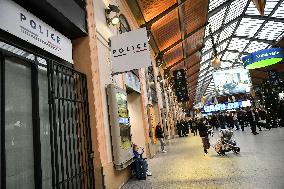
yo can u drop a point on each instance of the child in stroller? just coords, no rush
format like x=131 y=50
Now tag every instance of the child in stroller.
x=226 y=143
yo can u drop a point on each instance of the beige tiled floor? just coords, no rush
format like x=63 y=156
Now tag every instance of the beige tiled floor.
x=259 y=165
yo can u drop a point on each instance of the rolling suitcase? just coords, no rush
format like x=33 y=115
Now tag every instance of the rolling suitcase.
x=140 y=166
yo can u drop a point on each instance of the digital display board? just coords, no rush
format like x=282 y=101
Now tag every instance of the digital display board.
x=226 y=106
x=123 y=120
x=232 y=81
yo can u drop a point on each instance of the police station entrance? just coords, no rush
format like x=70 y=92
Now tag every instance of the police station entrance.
x=45 y=131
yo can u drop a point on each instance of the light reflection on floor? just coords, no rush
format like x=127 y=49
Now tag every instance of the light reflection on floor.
x=259 y=165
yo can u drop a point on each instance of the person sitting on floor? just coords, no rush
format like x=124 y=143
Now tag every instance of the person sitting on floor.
x=138 y=155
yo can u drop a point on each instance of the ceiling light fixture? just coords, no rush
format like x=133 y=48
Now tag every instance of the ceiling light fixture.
x=216 y=62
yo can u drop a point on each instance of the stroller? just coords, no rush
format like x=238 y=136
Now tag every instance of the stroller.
x=226 y=143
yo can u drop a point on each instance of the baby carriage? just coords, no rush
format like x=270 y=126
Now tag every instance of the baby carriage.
x=225 y=142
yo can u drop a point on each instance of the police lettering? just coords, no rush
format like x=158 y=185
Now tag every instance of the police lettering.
x=39 y=28
x=134 y=48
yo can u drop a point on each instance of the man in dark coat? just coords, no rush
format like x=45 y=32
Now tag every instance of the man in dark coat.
x=160 y=136
x=203 y=133
x=178 y=125
x=222 y=120
x=241 y=119
x=252 y=121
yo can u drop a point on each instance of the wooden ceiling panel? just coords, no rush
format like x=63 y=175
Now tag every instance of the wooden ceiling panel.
x=151 y=8
x=173 y=55
x=191 y=80
x=193 y=70
x=194 y=42
x=192 y=92
x=177 y=67
x=166 y=31
x=195 y=14
x=193 y=59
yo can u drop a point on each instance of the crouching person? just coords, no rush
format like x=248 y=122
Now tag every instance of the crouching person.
x=140 y=165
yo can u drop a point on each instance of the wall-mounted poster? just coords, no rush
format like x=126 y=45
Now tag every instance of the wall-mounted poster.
x=123 y=120
x=120 y=127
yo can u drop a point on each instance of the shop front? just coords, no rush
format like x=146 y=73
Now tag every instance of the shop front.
x=45 y=129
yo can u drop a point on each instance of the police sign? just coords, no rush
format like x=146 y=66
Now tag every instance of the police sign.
x=21 y=23
x=130 y=51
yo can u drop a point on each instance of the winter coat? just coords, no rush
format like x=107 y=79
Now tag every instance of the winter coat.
x=159 y=132
x=202 y=129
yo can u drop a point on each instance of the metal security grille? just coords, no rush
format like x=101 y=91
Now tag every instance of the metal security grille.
x=71 y=147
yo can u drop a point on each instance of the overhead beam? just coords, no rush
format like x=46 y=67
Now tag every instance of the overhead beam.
x=192 y=65
x=219 y=8
x=233 y=62
x=256 y=39
x=268 y=18
x=236 y=51
x=217 y=45
x=223 y=27
x=192 y=81
x=195 y=73
x=210 y=58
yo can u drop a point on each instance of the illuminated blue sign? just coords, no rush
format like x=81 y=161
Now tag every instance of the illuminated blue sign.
x=123 y=120
x=226 y=106
x=263 y=58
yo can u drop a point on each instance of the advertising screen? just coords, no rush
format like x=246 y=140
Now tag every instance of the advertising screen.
x=123 y=120
x=232 y=81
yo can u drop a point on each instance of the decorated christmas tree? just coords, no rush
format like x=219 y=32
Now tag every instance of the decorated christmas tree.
x=271 y=89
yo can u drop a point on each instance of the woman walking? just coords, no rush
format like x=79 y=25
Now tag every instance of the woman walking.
x=160 y=136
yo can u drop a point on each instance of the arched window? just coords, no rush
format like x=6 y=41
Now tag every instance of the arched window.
x=123 y=26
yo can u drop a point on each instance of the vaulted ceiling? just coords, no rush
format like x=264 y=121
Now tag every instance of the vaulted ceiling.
x=177 y=30
x=238 y=29
x=179 y=34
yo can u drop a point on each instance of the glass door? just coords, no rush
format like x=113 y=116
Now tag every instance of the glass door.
x=19 y=152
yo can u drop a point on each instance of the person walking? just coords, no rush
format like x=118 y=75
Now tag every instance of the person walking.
x=183 y=128
x=240 y=115
x=194 y=127
x=236 y=123
x=160 y=136
x=257 y=119
x=203 y=133
x=252 y=120
x=179 y=127
x=222 y=120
